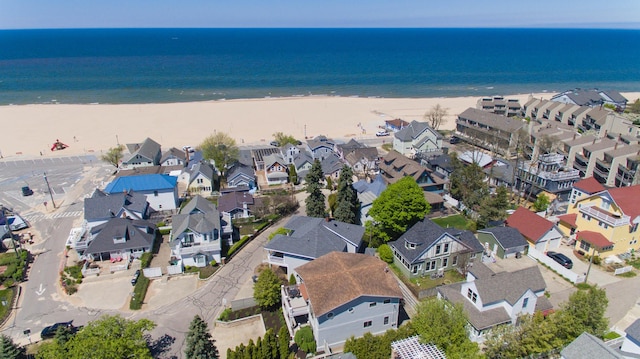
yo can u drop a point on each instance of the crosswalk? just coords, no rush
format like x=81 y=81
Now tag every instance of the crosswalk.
x=35 y=217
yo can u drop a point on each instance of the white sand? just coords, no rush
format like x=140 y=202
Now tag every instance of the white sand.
x=95 y=128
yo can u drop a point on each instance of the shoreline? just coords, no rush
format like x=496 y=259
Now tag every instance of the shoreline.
x=92 y=128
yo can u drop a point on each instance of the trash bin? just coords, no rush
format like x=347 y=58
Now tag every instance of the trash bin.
x=518 y=255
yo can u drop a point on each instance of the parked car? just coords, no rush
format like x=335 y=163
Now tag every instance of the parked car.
x=50 y=331
x=274 y=143
x=26 y=191
x=136 y=275
x=453 y=140
x=561 y=258
x=382 y=133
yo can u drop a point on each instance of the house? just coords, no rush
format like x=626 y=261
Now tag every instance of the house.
x=490 y=131
x=411 y=348
x=308 y=238
x=492 y=299
x=259 y=154
x=303 y=163
x=395 y=166
x=440 y=165
x=592 y=98
x=367 y=192
x=117 y=239
x=584 y=188
x=540 y=232
x=502 y=242
x=501 y=173
x=238 y=204
x=416 y=138
x=161 y=190
x=361 y=158
x=589 y=346
x=174 y=157
x=341 y=295
x=320 y=147
x=276 y=169
x=628 y=173
x=631 y=342
x=197 y=233
x=428 y=249
x=203 y=179
x=548 y=173
x=101 y=207
x=241 y=175
x=395 y=125
x=142 y=154
x=331 y=166
x=606 y=221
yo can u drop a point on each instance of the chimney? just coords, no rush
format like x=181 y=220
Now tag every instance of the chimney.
x=187 y=155
x=327 y=219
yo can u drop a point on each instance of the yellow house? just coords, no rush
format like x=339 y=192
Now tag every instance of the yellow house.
x=605 y=222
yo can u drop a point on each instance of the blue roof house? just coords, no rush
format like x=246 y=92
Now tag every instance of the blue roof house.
x=161 y=190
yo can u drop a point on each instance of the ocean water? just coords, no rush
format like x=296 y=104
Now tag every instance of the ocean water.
x=178 y=65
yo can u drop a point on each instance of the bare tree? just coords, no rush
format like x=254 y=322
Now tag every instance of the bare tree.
x=436 y=116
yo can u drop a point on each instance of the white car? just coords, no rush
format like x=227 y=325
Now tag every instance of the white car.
x=382 y=133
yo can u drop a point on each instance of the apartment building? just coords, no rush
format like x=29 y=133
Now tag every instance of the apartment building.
x=488 y=130
x=500 y=106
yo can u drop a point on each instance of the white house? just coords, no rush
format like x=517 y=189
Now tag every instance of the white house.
x=416 y=138
x=142 y=154
x=160 y=190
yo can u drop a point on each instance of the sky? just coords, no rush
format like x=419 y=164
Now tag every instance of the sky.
x=39 y=14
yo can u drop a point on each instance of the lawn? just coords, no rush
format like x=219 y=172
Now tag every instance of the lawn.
x=450 y=276
x=456 y=221
x=273 y=319
x=6 y=301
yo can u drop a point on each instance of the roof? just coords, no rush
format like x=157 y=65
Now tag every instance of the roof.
x=227 y=202
x=492 y=120
x=396 y=166
x=633 y=331
x=594 y=238
x=135 y=232
x=103 y=206
x=240 y=169
x=478 y=319
x=199 y=215
x=203 y=168
x=314 y=237
x=411 y=348
x=589 y=185
x=588 y=346
x=493 y=289
x=259 y=154
x=569 y=219
x=173 y=153
x=502 y=170
x=198 y=204
x=338 y=278
x=506 y=236
x=614 y=95
x=320 y=141
x=397 y=123
x=148 y=148
x=142 y=183
x=414 y=130
x=581 y=97
x=627 y=198
x=477 y=157
x=530 y=225
x=443 y=161
x=355 y=155
x=467 y=238
x=351 y=145
x=376 y=186
x=331 y=164
x=433 y=198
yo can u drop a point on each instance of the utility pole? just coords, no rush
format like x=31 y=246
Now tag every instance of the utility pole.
x=49 y=188
x=6 y=220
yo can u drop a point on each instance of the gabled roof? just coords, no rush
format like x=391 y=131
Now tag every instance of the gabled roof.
x=199 y=215
x=376 y=186
x=202 y=168
x=147 y=149
x=331 y=165
x=199 y=204
x=443 y=161
x=589 y=185
x=506 y=236
x=492 y=120
x=569 y=219
x=314 y=237
x=633 y=331
x=502 y=170
x=240 y=169
x=173 y=153
x=368 y=153
x=614 y=95
x=272 y=159
x=300 y=159
x=103 y=206
x=350 y=146
x=339 y=278
x=581 y=97
x=227 y=202
x=530 y=225
x=467 y=238
x=628 y=198
x=588 y=346
x=396 y=123
x=493 y=289
x=594 y=238
x=135 y=232
x=478 y=319
x=396 y=166
x=320 y=141
x=142 y=183
x=414 y=130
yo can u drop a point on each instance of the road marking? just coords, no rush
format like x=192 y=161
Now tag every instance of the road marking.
x=41 y=290
x=37 y=217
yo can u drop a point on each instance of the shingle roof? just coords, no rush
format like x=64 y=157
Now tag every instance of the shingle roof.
x=506 y=236
x=569 y=219
x=331 y=164
x=396 y=166
x=338 y=278
x=142 y=183
x=492 y=120
x=414 y=130
x=199 y=215
x=102 y=206
x=173 y=153
x=467 y=238
x=530 y=225
x=203 y=168
x=314 y=237
x=633 y=331
x=589 y=185
x=320 y=141
x=227 y=202
x=493 y=289
x=581 y=97
x=627 y=198
x=376 y=186
x=443 y=161
x=397 y=123
x=478 y=319
x=148 y=149
x=198 y=204
x=135 y=232
x=240 y=169
x=615 y=96
x=594 y=238
x=587 y=346
x=502 y=170
x=368 y=153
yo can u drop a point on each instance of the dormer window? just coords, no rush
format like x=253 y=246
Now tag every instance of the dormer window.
x=119 y=240
x=409 y=245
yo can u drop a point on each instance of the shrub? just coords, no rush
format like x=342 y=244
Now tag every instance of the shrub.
x=160 y=224
x=304 y=339
x=139 y=292
x=292 y=279
x=145 y=259
x=385 y=253
x=164 y=231
x=280 y=230
x=224 y=316
x=237 y=245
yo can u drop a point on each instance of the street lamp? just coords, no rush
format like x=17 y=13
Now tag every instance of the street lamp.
x=49 y=188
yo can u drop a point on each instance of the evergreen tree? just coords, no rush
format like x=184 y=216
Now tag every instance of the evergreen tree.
x=347 y=200
x=200 y=345
x=272 y=345
x=467 y=183
x=231 y=354
x=9 y=349
x=283 y=342
x=293 y=174
x=315 y=201
x=494 y=208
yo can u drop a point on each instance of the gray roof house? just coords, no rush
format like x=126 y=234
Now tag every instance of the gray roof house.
x=367 y=192
x=502 y=242
x=241 y=175
x=492 y=299
x=320 y=147
x=239 y=204
x=309 y=238
x=428 y=249
x=331 y=166
x=488 y=130
x=631 y=342
x=174 y=157
x=202 y=178
x=416 y=138
x=197 y=232
x=588 y=346
x=591 y=97
x=118 y=239
x=101 y=207
x=142 y=154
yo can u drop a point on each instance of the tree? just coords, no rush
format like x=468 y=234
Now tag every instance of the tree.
x=385 y=253
x=347 y=203
x=315 y=201
x=293 y=174
x=304 y=339
x=9 y=349
x=635 y=106
x=494 y=208
x=533 y=334
x=199 y=344
x=436 y=116
x=113 y=156
x=583 y=312
x=220 y=148
x=283 y=342
x=467 y=183
x=399 y=207
x=541 y=203
x=379 y=346
x=266 y=290
x=283 y=139
x=445 y=325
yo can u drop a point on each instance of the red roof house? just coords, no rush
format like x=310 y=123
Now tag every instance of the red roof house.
x=589 y=186
x=538 y=230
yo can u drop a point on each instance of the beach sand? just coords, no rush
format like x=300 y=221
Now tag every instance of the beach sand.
x=92 y=129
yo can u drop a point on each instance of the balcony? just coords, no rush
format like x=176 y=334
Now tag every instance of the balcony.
x=276 y=259
x=604 y=216
x=293 y=302
x=199 y=247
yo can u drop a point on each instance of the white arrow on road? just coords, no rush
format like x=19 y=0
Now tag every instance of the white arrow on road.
x=41 y=290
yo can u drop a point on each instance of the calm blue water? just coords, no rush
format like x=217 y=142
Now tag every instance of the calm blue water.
x=175 y=65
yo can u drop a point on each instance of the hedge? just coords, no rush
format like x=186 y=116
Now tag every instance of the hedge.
x=237 y=245
x=145 y=259
x=139 y=292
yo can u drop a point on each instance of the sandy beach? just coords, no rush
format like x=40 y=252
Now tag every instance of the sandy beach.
x=94 y=128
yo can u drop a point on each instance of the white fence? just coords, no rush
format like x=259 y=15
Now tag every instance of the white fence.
x=155 y=272
x=90 y=271
x=572 y=276
x=174 y=269
x=622 y=270
x=118 y=267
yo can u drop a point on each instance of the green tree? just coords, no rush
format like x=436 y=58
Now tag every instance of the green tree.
x=266 y=290
x=541 y=203
x=347 y=203
x=379 y=346
x=494 y=208
x=283 y=342
x=9 y=349
x=304 y=339
x=199 y=344
x=467 y=183
x=534 y=334
x=293 y=174
x=583 y=312
x=385 y=253
x=283 y=139
x=315 y=200
x=220 y=148
x=444 y=325
x=635 y=106
x=399 y=207
x=113 y=156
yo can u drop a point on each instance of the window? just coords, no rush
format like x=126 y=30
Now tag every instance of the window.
x=155 y=193
x=431 y=265
x=367 y=324
x=472 y=295
x=351 y=310
x=386 y=320
x=438 y=249
x=445 y=261
x=585 y=246
x=469 y=293
x=330 y=315
x=372 y=304
x=414 y=270
x=446 y=248
x=455 y=260
x=525 y=302
x=386 y=301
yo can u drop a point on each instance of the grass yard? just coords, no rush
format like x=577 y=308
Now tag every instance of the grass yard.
x=273 y=319
x=456 y=221
x=450 y=276
x=6 y=296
